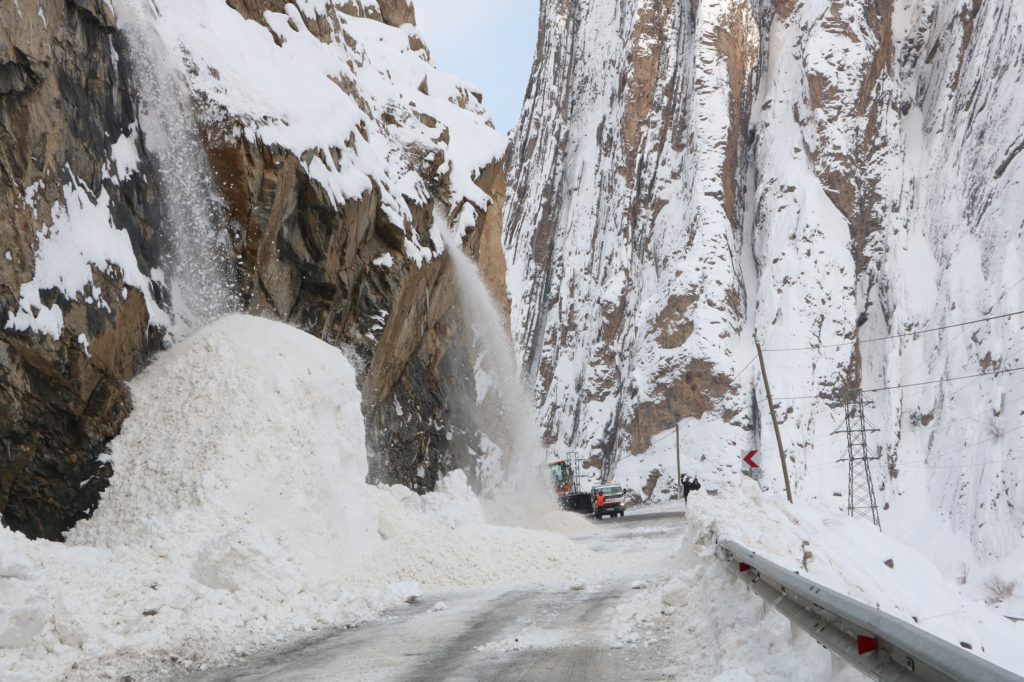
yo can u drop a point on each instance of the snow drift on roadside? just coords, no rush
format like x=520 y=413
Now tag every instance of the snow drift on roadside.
x=238 y=515
x=844 y=554
x=739 y=638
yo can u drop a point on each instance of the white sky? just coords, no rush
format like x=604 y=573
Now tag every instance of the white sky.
x=487 y=42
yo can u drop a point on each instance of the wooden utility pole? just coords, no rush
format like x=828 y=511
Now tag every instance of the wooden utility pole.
x=679 y=471
x=775 y=423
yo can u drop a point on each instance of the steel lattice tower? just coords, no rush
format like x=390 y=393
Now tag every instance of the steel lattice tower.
x=860 y=501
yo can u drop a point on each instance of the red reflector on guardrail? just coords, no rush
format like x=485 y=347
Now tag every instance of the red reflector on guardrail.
x=866 y=645
x=744 y=567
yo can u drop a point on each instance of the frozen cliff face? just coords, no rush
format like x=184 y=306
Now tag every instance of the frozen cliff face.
x=323 y=140
x=687 y=177
x=625 y=219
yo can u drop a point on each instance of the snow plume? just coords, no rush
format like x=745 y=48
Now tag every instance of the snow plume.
x=239 y=516
x=519 y=470
x=201 y=266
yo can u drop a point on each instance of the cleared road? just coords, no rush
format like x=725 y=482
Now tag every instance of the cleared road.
x=555 y=632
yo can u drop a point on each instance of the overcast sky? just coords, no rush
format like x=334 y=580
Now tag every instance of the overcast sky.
x=487 y=42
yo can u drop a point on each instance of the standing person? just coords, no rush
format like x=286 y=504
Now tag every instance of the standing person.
x=689 y=485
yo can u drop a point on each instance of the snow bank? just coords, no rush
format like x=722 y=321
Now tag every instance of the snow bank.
x=718 y=631
x=847 y=555
x=238 y=516
x=22 y=594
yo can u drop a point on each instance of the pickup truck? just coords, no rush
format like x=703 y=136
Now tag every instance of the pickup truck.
x=614 y=500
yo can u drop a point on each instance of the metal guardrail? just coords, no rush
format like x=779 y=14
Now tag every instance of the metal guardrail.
x=876 y=643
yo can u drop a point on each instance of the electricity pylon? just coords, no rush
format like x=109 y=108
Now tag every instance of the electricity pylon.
x=860 y=501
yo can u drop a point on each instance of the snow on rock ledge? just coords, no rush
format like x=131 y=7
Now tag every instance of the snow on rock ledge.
x=354 y=98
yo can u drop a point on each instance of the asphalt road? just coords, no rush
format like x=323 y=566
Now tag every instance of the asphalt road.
x=547 y=633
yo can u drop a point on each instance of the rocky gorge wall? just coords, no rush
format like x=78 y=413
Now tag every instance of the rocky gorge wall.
x=331 y=140
x=826 y=176
x=70 y=173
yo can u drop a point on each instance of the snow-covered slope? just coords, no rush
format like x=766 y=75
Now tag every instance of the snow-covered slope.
x=687 y=177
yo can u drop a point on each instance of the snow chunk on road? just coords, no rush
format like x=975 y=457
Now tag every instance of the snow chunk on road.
x=23 y=595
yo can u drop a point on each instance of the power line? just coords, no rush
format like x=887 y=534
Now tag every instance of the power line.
x=740 y=373
x=978 y=414
x=918 y=462
x=745 y=367
x=939 y=381
x=895 y=336
x=1004 y=354
x=918 y=383
x=923 y=463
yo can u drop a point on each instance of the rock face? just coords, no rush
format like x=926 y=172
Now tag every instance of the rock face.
x=70 y=173
x=690 y=176
x=625 y=217
x=337 y=148
x=335 y=229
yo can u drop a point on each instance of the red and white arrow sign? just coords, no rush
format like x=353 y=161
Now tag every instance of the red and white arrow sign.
x=752 y=459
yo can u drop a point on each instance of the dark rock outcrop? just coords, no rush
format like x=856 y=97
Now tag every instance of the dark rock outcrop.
x=64 y=98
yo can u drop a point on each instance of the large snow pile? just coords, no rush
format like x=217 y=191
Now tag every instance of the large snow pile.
x=237 y=447
x=846 y=555
x=239 y=515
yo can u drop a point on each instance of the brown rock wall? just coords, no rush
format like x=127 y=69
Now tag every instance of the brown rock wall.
x=64 y=98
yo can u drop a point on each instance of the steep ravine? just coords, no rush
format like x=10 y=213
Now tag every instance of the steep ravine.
x=689 y=176
x=328 y=206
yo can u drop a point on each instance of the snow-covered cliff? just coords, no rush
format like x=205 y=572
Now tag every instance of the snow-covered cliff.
x=163 y=162
x=689 y=177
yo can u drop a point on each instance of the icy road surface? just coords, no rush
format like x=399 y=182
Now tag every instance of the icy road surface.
x=659 y=614
x=555 y=632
